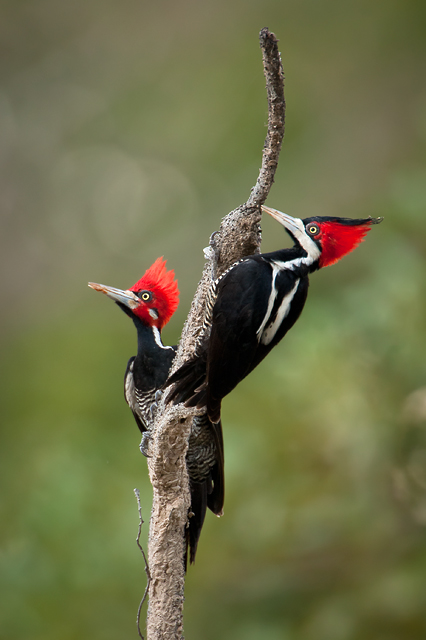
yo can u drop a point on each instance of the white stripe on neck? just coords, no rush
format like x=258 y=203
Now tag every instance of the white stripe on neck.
x=297 y=262
x=157 y=337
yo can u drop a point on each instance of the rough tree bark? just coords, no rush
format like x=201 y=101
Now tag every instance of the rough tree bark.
x=239 y=235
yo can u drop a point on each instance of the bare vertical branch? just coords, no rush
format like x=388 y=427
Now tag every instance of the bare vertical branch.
x=239 y=235
x=276 y=117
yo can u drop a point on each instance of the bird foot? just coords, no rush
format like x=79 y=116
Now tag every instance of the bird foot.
x=145 y=444
x=154 y=407
x=153 y=411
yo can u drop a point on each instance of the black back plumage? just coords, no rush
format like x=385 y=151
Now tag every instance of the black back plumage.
x=255 y=303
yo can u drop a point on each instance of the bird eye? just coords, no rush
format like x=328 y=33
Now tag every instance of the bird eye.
x=144 y=295
x=313 y=229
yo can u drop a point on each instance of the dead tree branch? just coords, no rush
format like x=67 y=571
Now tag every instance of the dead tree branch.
x=239 y=235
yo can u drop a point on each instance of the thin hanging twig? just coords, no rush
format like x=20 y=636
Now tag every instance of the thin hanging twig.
x=148 y=575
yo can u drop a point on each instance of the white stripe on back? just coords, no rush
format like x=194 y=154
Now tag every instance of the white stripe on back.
x=269 y=333
x=272 y=296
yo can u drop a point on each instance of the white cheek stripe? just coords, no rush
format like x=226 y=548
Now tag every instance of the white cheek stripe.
x=306 y=242
x=269 y=334
x=271 y=301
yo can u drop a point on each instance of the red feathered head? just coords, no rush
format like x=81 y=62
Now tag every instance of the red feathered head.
x=159 y=294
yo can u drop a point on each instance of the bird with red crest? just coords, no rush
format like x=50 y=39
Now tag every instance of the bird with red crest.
x=255 y=302
x=150 y=303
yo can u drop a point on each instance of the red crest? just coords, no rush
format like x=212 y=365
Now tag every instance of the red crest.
x=338 y=239
x=165 y=293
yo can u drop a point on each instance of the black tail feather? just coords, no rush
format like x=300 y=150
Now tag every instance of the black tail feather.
x=196 y=516
x=216 y=496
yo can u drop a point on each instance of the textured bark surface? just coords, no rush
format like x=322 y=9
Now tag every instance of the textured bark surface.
x=239 y=235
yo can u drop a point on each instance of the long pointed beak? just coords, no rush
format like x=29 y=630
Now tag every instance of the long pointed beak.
x=287 y=221
x=128 y=298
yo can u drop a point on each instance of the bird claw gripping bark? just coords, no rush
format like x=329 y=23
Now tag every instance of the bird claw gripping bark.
x=154 y=406
x=153 y=411
x=145 y=444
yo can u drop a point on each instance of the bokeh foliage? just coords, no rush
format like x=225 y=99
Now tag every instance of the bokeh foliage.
x=128 y=130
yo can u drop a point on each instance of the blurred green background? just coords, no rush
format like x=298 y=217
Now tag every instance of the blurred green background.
x=128 y=129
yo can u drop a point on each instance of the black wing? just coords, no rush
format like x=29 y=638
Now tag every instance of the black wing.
x=131 y=398
x=226 y=355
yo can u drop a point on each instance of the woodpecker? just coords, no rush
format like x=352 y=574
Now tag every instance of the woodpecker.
x=150 y=303
x=253 y=304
